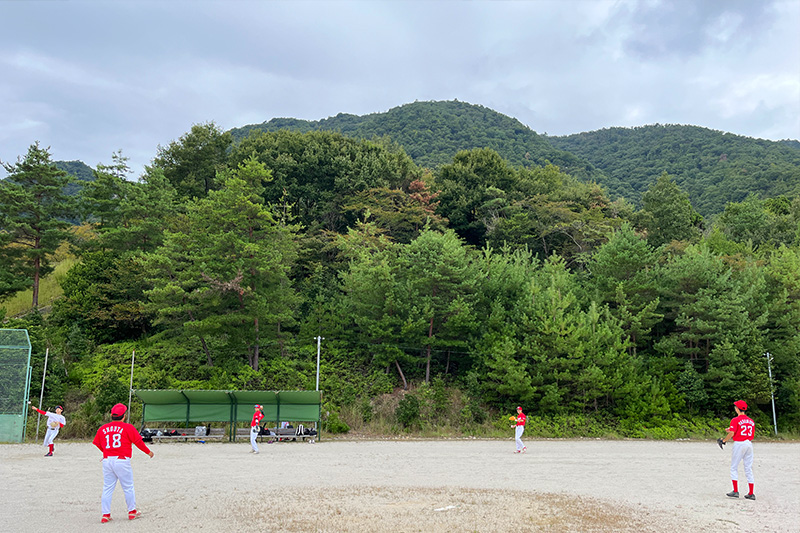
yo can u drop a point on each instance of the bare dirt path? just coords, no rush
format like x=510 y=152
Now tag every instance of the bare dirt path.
x=442 y=485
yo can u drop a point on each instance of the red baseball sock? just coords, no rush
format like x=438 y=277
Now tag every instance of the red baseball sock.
x=51 y=448
x=735 y=485
x=751 y=487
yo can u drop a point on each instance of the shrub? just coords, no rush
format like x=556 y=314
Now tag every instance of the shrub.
x=335 y=424
x=407 y=411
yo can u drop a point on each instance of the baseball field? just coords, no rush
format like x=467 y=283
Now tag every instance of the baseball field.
x=405 y=485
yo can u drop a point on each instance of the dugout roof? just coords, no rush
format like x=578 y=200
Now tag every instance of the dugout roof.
x=172 y=405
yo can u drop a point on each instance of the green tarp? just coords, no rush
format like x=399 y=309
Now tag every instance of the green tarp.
x=227 y=406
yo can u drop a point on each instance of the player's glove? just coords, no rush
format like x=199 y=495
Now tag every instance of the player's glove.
x=721 y=443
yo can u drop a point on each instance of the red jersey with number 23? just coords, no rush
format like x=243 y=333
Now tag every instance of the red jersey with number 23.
x=115 y=438
x=742 y=427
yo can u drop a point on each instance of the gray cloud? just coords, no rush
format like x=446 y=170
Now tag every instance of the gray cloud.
x=89 y=78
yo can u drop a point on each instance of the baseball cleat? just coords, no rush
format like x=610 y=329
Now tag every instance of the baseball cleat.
x=733 y=494
x=105 y=518
x=524 y=449
x=133 y=514
x=749 y=496
x=49 y=454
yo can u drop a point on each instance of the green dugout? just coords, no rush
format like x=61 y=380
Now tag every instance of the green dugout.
x=228 y=406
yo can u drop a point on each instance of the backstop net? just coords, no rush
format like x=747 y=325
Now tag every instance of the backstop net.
x=15 y=379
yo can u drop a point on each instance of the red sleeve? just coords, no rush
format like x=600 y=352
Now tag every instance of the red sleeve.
x=136 y=439
x=39 y=410
x=98 y=441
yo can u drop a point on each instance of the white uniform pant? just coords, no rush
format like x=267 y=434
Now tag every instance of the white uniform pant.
x=742 y=451
x=50 y=436
x=117 y=469
x=253 y=436
x=518 y=436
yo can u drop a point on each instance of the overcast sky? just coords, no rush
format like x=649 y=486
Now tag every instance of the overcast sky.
x=90 y=78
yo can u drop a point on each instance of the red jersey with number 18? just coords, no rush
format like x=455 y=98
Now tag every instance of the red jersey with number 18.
x=742 y=427
x=115 y=438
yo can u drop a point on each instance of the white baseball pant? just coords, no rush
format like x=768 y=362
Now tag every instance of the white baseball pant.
x=50 y=436
x=117 y=469
x=253 y=436
x=518 y=436
x=742 y=451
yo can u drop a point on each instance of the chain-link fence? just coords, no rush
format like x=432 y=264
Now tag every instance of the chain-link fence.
x=15 y=379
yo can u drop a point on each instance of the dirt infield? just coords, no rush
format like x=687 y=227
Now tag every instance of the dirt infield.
x=383 y=486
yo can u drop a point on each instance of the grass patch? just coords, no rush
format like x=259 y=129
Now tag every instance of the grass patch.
x=49 y=290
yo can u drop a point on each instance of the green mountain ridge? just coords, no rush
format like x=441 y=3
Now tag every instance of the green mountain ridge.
x=433 y=132
x=714 y=167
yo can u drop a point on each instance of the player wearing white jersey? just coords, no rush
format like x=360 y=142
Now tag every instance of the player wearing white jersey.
x=55 y=421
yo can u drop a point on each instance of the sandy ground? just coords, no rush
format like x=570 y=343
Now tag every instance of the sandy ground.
x=383 y=486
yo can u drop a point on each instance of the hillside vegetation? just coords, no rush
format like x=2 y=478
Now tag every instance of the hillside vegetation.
x=446 y=295
x=713 y=167
x=433 y=132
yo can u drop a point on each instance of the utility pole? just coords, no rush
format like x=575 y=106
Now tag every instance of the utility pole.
x=319 y=342
x=772 y=391
x=41 y=393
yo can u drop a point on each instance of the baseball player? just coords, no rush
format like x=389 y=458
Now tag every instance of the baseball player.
x=114 y=440
x=519 y=429
x=255 y=427
x=741 y=431
x=55 y=421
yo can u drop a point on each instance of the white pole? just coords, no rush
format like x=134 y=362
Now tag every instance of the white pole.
x=130 y=387
x=319 y=341
x=41 y=393
x=772 y=392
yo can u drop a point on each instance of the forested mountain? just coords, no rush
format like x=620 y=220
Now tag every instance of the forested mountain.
x=712 y=166
x=433 y=132
x=79 y=170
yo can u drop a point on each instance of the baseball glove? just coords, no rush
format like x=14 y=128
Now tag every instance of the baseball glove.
x=53 y=424
x=721 y=443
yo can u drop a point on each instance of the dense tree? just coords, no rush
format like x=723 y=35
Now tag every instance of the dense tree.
x=438 y=281
x=622 y=272
x=667 y=213
x=318 y=172
x=475 y=187
x=403 y=214
x=191 y=163
x=33 y=209
x=245 y=299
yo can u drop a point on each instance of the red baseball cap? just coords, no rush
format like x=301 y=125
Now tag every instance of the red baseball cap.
x=741 y=404
x=258 y=406
x=119 y=409
x=518 y=408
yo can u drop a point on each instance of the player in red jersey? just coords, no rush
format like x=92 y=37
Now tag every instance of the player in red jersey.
x=740 y=431
x=255 y=427
x=519 y=429
x=114 y=440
